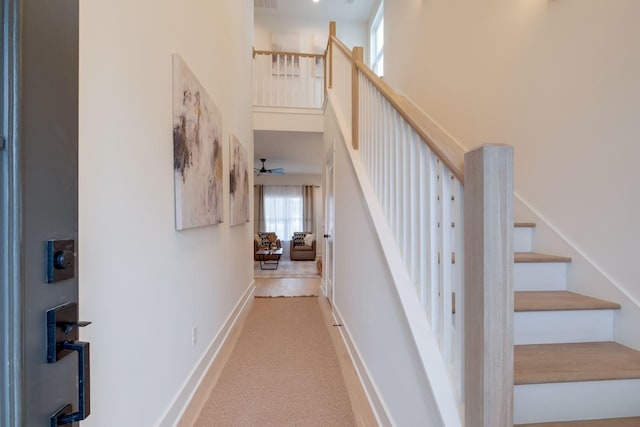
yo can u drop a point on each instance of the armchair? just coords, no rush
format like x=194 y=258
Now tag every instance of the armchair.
x=262 y=241
x=303 y=247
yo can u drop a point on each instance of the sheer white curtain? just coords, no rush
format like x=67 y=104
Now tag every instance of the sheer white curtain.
x=283 y=210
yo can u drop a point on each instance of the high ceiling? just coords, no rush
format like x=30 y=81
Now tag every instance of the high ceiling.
x=301 y=152
x=296 y=152
x=343 y=10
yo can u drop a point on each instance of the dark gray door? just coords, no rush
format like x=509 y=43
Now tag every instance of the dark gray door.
x=39 y=205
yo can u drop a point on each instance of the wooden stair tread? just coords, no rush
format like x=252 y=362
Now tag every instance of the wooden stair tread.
x=609 y=422
x=594 y=361
x=557 y=301
x=538 y=257
x=524 y=225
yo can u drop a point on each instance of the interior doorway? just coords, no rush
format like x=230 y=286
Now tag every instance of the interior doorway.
x=328 y=259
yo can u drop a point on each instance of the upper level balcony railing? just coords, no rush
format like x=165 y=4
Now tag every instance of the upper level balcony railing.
x=288 y=79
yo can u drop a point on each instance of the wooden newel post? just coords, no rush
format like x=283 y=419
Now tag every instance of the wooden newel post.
x=356 y=57
x=332 y=34
x=488 y=278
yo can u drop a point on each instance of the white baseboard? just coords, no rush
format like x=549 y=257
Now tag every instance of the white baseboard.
x=378 y=405
x=195 y=391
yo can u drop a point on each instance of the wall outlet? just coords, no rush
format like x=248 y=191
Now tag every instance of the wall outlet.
x=194 y=336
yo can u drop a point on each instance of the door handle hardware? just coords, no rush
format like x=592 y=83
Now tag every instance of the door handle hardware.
x=65 y=410
x=84 y=401
x=68 y=326
x=62 y=327
x=326 y=236
x=62 y=340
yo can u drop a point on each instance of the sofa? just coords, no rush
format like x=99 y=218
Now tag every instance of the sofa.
x=303 y=246
x=261 y=241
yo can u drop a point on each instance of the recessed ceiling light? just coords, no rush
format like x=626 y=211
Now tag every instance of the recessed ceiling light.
x=316 y=1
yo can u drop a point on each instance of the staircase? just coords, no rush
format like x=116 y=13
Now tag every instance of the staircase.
x=567 y=369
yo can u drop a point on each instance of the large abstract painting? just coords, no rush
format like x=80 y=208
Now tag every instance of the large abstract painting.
x=197 y=151
x=238 y=182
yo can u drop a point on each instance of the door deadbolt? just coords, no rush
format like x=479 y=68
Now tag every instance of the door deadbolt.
x=61 y=260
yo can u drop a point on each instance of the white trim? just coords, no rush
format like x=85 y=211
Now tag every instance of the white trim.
x=574 y=401
x=376 y=53
x=176 y=410
x=378 y=405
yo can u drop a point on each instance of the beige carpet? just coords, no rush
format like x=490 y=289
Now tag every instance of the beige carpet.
x=287 y=287
x=283 y=371
x=287 y=268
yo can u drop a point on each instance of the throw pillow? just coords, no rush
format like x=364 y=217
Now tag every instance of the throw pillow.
x=298 y=238
x=309 y=238
x=264 y=236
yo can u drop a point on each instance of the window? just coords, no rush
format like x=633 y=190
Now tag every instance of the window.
x=377 y=41
x=283 y=210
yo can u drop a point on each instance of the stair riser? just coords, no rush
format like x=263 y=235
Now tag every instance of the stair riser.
x=522 y=239
x=552 y=327
x=540 y=276
x=536 y=403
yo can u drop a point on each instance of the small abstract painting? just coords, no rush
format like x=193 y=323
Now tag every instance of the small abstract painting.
x=238 y=182
x=197 y=151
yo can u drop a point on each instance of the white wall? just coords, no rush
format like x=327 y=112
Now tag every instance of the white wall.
x=350 y=33
x=143 y=284
x=558 y=80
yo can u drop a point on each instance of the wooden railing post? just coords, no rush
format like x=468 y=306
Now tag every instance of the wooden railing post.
x=356 y=57
x=332 y=34
x=488 y=278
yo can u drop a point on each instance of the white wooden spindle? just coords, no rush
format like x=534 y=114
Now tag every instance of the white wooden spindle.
x=415 y=212
x=446 y=263
x=387 y=143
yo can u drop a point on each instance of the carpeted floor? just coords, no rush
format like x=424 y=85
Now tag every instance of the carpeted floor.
x=284 y=371
x=287 y=287
x=287 y=268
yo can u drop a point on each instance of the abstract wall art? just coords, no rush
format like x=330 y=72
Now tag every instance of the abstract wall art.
x=197 y=151
x=238 y=182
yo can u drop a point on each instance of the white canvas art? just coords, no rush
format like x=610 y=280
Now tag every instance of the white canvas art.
x=238 y=182
x=197 y=151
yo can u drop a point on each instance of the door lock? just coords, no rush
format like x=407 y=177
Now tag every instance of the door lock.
x=61 y=260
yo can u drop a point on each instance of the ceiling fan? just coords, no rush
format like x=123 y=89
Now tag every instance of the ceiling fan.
x=263 y=170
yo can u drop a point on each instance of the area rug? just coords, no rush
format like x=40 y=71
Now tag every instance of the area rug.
x=287 y=268
x=287 y=287
x=283 y=371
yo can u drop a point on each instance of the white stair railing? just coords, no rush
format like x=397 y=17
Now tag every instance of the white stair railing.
x=417 y=173
x=452 y=231
x=422 y=200
x=287 y=79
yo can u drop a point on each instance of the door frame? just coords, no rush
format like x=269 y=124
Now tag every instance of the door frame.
x=11 y=230
x=329 y=229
